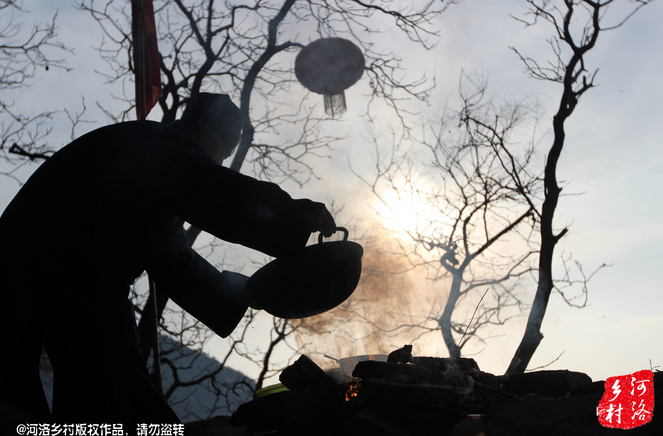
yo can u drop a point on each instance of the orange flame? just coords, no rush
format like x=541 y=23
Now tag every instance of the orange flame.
x=353 y=390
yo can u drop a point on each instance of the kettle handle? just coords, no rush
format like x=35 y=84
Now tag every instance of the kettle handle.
x=342 y=229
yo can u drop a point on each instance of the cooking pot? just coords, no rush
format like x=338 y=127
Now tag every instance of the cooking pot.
x=320 y=278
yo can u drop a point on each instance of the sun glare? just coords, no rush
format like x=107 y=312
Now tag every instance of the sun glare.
x=403 y=212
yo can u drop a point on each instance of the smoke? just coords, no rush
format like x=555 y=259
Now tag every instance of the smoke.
x=375 y=319
x=396 y=304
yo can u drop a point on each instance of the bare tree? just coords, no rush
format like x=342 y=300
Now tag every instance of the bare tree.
x=490 y=189
x=469 y=210
x=246 y=50
x=23 y=52
x=569 y=44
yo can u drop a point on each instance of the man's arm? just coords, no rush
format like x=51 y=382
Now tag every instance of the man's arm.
x=215 y=298
x=175 y=176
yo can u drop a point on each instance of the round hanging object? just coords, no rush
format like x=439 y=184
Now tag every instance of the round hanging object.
x=328 y=66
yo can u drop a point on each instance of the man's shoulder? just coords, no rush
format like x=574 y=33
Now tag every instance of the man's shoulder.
x=134 y=136
x=137 y=127
x=143 y=127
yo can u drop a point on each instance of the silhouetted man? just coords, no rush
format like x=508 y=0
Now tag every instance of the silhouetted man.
x=91 y=219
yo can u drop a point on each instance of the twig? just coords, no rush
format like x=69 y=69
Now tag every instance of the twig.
x=546 y=365
x=470 y=323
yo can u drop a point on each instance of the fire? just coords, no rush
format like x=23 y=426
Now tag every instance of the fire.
x=353 y=390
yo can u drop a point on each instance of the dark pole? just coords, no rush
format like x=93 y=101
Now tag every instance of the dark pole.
x=142 y=110
x=156 y=354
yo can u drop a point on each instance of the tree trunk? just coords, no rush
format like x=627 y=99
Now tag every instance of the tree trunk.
x=249 y=82
x=532 y=337
x=573 y=76
x=445 y=320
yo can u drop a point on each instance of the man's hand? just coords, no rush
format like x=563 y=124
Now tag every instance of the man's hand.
x=325 y=223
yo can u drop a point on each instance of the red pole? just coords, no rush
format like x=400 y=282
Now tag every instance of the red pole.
x=140 y=65
x=139 y=57
x=146 y=57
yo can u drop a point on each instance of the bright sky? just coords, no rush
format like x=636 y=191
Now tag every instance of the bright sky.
x=612 y=156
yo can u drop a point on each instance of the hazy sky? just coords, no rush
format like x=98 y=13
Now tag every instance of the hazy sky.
x=612 y=157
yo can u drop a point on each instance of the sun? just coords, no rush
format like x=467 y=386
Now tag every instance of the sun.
x=403 y=212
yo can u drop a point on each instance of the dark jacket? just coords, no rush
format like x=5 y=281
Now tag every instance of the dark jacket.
x=102 y=210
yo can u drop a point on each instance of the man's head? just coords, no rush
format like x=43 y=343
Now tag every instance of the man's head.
x=215 y=123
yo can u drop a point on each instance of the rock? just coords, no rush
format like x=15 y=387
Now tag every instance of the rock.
x=553 y=384
x=216 y=426
x=369 y=422
x=540 y=416
x=402 y=355
x=468 y=427
x=288 y=411
x=304 y=373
